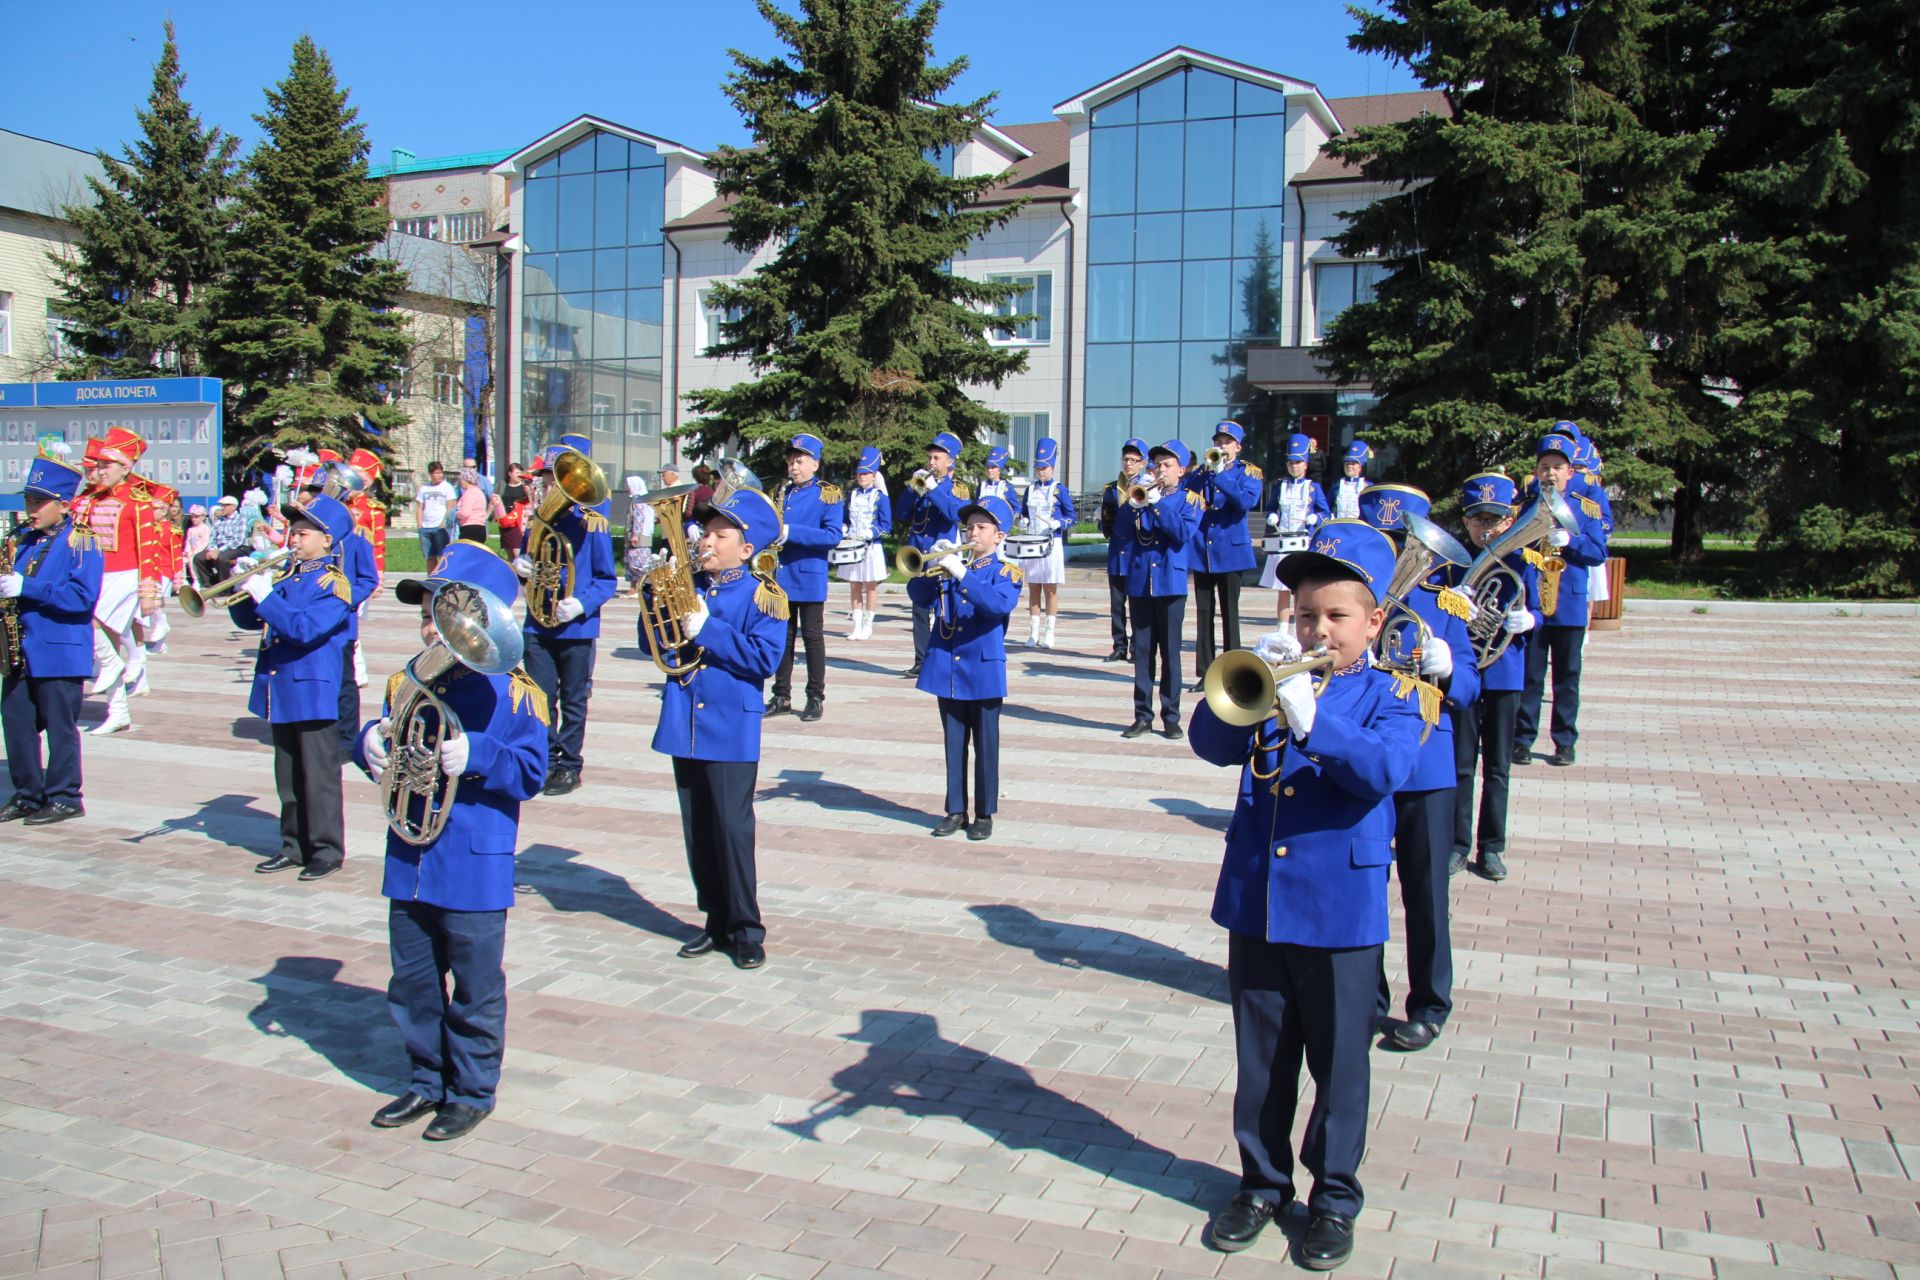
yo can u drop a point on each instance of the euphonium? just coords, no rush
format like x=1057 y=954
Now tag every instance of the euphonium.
x=1404 y=634
x=194 y=602
x=916 y=563
x=733 y=477
x=669 y=595
x=1241 y=687
x=577 y=481
x=476 y=630
x=341 y=482
x=1496 y=586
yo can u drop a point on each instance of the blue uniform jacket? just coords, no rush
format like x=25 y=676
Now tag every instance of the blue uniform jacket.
x=967 y=651
x=1317 y=505
x=1588 y=548
x=593 y=581
x=303 y=626
x=1159 y=537
x=1060 y=511
x=363 y=577
x=1112 y=498
x=713 y=713
x=815 y=515
x=934 y=517
x=470 y=867
x=1230 y=493
x=1508 y=672
x=1308 y=865
x=59 y=585
x=1434 y=770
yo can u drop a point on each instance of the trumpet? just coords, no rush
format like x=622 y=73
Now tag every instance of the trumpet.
x=195 y=602
x=1216 y=458
x=916 y=563
x=1241 y=688
x=923 y=481
x=1497 y=587
x=476 y=630
x=1143 y=484
x=577 y=481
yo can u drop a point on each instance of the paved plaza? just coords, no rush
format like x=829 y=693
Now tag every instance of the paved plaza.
x=1684 y=1041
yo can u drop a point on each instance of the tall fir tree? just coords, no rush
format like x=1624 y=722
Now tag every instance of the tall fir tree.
x=1535 y=227
x=305 y=329
x=150 y=244
x=857 y=329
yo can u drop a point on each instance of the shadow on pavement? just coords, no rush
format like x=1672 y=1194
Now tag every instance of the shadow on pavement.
x=812 y=786
x=231 y=819
x=571 y=885
x=345 y=1024
x=1078 y=946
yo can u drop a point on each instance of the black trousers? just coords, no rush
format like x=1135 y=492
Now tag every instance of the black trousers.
x=1422 y=846
x=1117 y=609
x=716 y=814
x=349 y=702
x=1563 y=646
x=806 y=620
x=454 y=1039
x=564 y=671
x=306 y=773
x=1483 y=735
x=922 y=631
x=1157 y=621
x=31 y=706
x=1290 y=1003
x=975 y=721
x=1207 y=588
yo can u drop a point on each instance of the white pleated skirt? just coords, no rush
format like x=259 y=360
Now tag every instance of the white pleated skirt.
x=1050 y=568
x=1270 y=576
x=872 y=569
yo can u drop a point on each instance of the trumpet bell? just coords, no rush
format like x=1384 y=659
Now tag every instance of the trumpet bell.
x=1240 y=686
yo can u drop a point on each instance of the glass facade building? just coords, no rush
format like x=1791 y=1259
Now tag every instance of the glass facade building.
x=591 y=299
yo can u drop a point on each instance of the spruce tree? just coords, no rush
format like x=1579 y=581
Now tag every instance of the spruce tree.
x=305 y=329
x=857 y=330
x=149 y=245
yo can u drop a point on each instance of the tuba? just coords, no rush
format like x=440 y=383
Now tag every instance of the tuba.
x=1497 y=587
x=577 y=481
x=1241 y=687
x=476 y=629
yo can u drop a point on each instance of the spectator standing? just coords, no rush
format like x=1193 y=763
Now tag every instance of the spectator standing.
x=199 y=534
x=432 y=504
x=486 y=481
x=470 y=509
x=514 y=500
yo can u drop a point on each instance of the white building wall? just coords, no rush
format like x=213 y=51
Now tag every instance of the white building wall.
x=447 y=191
x=1321 y=223
x=25 y=273
x=1034 y=240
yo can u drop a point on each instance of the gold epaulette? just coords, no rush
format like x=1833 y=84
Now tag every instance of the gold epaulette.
x=771 y=600
x=1453 y=602
x=1254 y=471
x=594 y=521
x=1008 y=569
x=80 y=537
x=376 y=505
x=1405 y=684
x=830 y=493
x=338 y=581
x=524 y=692
x=396 y=683
x=1112 y=486
x=1193 y=496
x=961 y=490
x=139 y=489
x=1589 y=506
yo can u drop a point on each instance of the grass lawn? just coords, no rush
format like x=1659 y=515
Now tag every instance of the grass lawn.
x=1731 y=570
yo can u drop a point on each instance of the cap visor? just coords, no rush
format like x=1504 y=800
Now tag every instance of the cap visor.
x=971 y=508
x=412 y=591
x=289 y=512
x=1301 y=565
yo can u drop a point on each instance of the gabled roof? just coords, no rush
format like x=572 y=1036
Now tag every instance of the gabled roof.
x=1181 y=56
x=37 y=176
x=579 y=128
x=1361 y=113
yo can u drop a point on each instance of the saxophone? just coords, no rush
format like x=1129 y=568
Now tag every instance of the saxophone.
x=11 y=659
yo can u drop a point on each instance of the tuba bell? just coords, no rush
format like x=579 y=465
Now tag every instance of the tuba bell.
x=476 y=630
x=1496 y=586
x=577 y=481
x=1241 y=687
x=1405 y=634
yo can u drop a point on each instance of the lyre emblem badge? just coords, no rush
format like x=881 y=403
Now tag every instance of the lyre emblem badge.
x=1327 y=546
x=1390 y=511
x=1486 y=492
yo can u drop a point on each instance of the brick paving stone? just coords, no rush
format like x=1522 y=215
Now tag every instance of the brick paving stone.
x=1683 y=1040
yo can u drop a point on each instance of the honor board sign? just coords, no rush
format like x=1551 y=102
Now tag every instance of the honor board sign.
x=179 y=418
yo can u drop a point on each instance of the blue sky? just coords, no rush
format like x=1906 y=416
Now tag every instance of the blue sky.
x=477 y=75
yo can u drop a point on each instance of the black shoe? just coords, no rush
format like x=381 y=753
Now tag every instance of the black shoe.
x=1491 y=866
x=748 y=955
x=1196 y=686
x=561 y=781
x=16 y=810
x=1118 y=655
x=981 y=829
x=1173 y=732
x=1562 y=756
x=456 y=1120
x=779 y=706
x=1245 y=1217
x=318 y=870
x=950 y=824
x=404 y=1109
x=1457 y=863
x=814 y=709
x=1523 y=755
x=58 y=811
x=1137 y=728
x=698 y=945
x=911 y=673
x=1411 y=1037
x=1328 y=1242
x=278 y=862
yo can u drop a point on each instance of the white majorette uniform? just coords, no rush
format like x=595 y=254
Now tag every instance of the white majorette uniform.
x=1047 y=514
x=1300 y=506
x=864 y=523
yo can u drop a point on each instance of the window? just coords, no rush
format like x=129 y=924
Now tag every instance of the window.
x=1034 y=299
x=6 y=324
x=463 y=228
x=1023 y=429
x=446 y=383
x=600 y=407
x=712 y=316
x=401 y=388
x=60 y=331
x=427 y=228
x=645 y=418
x=1338 y=285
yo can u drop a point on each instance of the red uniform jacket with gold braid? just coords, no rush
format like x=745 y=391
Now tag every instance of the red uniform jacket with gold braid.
x=172 y=541
x=370 y=517
x=124 y=528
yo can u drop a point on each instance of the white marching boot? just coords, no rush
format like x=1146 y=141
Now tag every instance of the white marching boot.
x=107 y=659
x=1046 y=641
x=1033 y=630
x=118 y=717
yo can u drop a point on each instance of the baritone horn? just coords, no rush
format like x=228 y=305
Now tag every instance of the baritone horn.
x=1496 y=586
x=577 y=481
x=1405 y=634
x=1241 y=688
x=195 y=601
x=476 y=630
x=668 y=596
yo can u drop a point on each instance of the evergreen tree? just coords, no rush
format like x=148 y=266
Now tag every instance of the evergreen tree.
x=1538 y=227
x=304 y=328
x=150 y=243
x=857 y=329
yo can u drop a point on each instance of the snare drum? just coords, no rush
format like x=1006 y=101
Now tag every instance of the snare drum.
x=1286 y=543
x=850 y=551
x=1029 y=546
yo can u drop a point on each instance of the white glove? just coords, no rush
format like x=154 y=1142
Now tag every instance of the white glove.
x=1436 y=659
x=453 y=755
x=692 y=623
x=1276 y=647
x=1466 y=592
x=523 y=566
x=1559 y=538
x=1153 y=495
x=1297 y=705
x=1273 y=521
x=245 y=563
x=952 y=566
x=1313 y=518
x=568 y=609
x=373 y=745
x=258 y=587
x=1519 y=621
x=10 y=584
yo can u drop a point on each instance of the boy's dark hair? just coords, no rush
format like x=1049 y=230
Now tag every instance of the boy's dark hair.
x=1322 y=579
x=433 y=467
